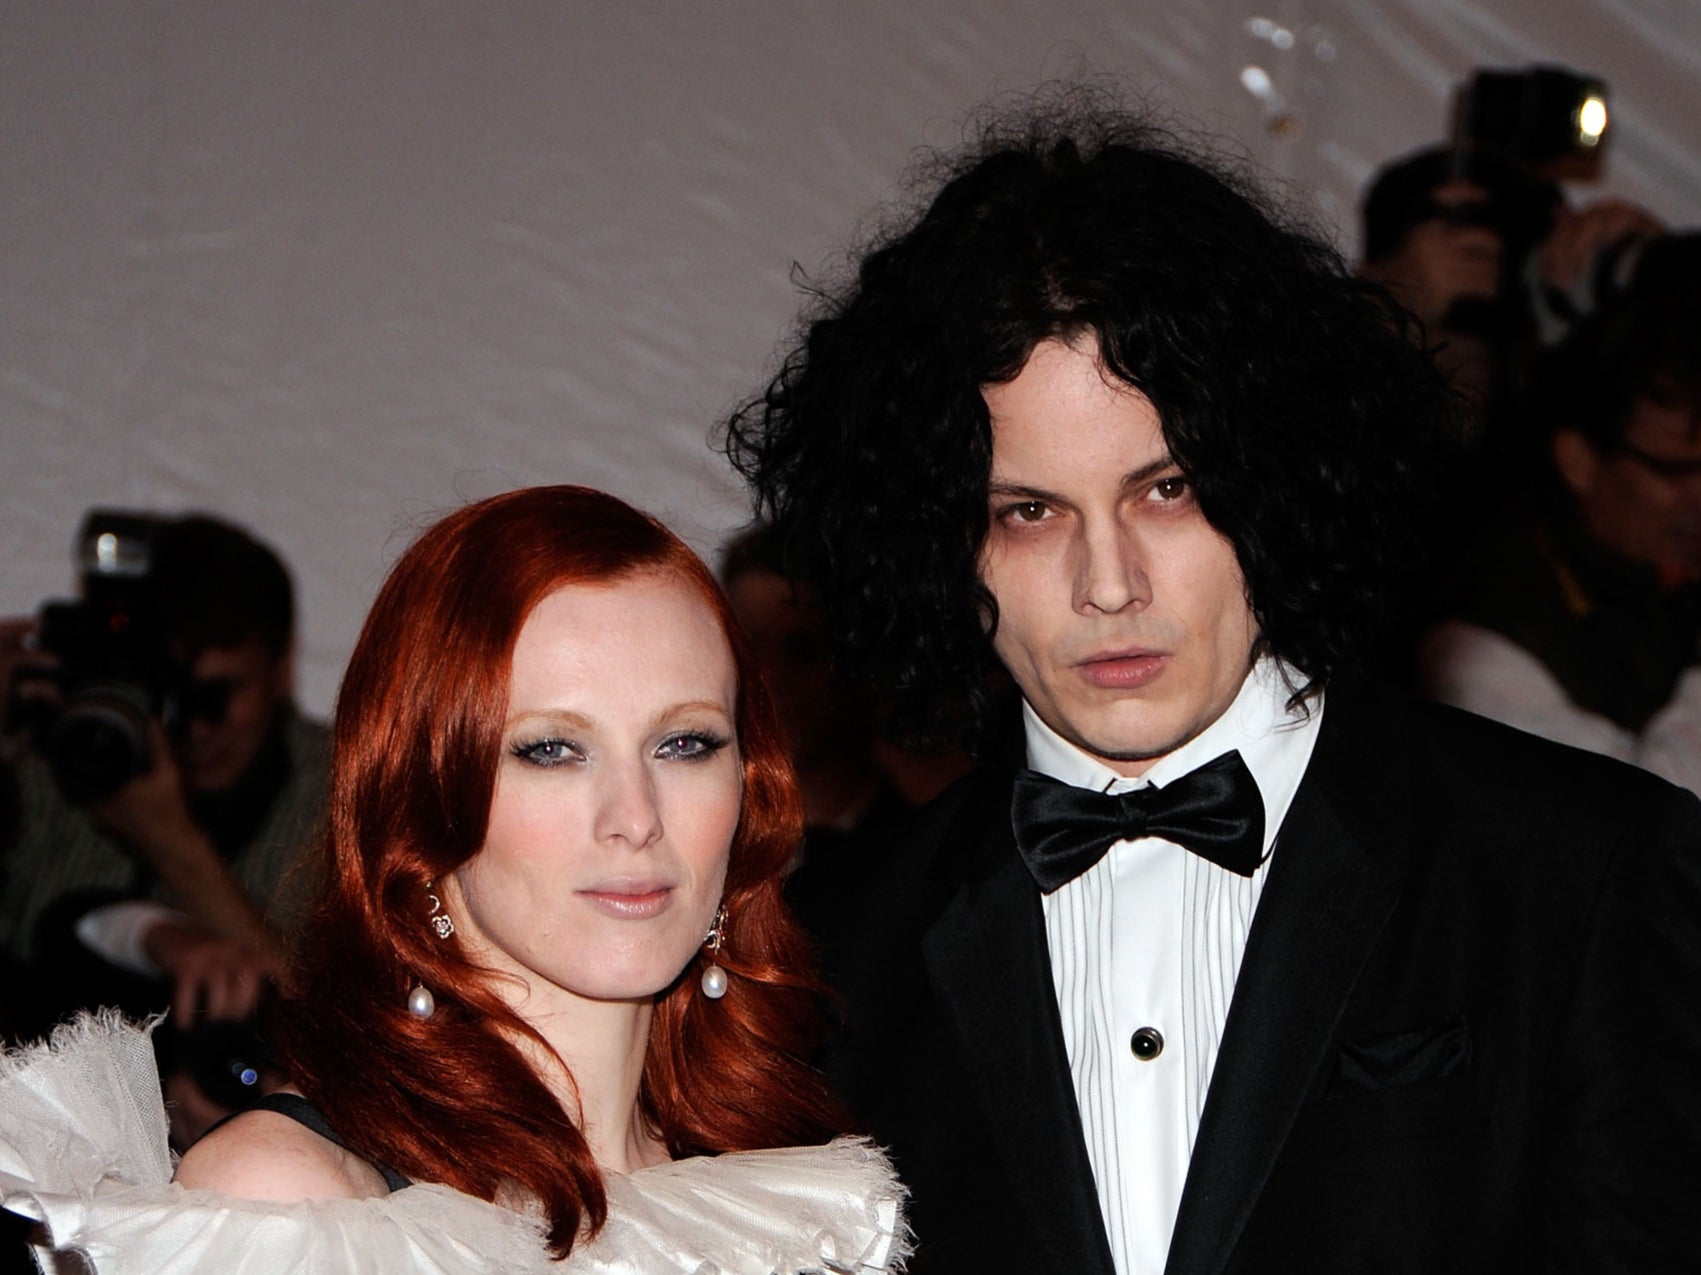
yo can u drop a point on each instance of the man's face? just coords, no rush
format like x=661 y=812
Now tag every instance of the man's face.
x=213 y=754
x=1643 y=501
x=1122 y=612
x=822 y=717
x=1443 y=260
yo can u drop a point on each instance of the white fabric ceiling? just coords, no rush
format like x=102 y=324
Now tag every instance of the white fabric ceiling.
x=332 y=267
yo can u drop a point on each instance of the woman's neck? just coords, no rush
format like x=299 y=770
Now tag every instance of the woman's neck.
x=603 y=1044
x=599 y=1049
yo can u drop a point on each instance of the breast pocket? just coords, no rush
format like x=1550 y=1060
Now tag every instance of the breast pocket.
x=1380 y=1176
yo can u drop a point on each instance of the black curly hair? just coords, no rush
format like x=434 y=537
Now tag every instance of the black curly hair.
x=1288 y=391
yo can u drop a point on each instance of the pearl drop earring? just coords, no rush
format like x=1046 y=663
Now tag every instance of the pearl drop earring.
x=421 y=1003
x=714 y=977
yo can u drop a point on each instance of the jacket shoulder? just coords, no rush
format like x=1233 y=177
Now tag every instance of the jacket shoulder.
x=1460 y=743
x=1457 y=779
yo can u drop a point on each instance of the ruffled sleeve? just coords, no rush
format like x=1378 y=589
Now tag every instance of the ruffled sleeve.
x=83 y=1151
x=833 y=1208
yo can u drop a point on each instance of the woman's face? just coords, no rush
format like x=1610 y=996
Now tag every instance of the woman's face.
x=617 y=794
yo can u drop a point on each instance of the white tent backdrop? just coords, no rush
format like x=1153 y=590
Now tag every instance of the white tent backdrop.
x=329 y=268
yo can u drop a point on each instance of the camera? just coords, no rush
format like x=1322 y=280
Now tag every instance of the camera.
x=87 y=713
x=227 y=1060
x=1541 y=116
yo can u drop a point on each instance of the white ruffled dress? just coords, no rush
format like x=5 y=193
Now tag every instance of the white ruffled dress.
x=83 y=1151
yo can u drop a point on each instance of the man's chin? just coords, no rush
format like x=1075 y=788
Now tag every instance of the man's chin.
x=1131 y=752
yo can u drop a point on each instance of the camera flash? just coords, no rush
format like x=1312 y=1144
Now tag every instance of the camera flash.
x=1591 y=120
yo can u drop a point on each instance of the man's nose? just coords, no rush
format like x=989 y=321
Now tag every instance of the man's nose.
x=1110 y=572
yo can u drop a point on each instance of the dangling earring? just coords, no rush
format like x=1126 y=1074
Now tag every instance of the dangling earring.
x=714 y=977
x=440 y=920
x=421 y=1003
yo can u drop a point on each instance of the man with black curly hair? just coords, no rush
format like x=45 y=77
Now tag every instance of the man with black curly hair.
x=1228 y=957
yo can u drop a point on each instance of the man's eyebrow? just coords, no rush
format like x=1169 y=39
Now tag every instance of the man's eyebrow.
x=1151 y=469
x=1021 y=491
x=1026 y=491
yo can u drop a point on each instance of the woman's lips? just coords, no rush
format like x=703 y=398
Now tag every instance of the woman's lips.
x=1124 y=670
x=629 y=904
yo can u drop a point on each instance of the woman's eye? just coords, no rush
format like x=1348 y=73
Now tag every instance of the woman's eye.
x=691 y=746
x=548 y=752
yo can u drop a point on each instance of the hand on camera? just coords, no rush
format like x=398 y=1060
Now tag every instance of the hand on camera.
x=150 y=812
x=1582 y=236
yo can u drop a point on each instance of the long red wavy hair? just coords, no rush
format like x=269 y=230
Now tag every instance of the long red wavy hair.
x=417 y=742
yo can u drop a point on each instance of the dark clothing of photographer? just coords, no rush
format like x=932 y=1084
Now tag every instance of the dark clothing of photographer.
x=1557 y=635
x=61 y=861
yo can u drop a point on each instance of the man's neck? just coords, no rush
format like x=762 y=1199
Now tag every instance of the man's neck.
x=1273 y=739
x=232 y=816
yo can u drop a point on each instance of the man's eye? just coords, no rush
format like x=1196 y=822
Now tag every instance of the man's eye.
x=1027 y=511
x=1172 y=488
x=548 y=752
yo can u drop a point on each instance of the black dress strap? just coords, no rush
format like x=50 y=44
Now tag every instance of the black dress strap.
x=305 y=1113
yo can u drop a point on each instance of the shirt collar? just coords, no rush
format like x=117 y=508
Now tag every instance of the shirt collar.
x=1274 y=741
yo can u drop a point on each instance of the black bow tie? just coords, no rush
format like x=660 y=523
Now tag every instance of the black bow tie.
x=1214 y=811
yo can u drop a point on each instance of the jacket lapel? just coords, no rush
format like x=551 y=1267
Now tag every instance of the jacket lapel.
x=987 y=956
x=1332 y=886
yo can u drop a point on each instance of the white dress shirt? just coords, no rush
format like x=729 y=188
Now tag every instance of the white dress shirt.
x=1151 y=937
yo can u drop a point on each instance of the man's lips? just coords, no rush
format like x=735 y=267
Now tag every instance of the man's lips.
x=1122 y=670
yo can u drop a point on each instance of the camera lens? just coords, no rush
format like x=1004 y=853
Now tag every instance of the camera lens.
x=100 y=739
x=225 y=1059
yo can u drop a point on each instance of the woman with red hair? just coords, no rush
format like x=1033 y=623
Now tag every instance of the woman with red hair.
x=550 y=978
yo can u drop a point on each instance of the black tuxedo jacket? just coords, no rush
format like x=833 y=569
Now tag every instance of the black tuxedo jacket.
x=1466 y=1033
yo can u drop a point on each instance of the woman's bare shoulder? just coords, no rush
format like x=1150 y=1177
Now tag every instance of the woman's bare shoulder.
x=261 y=1155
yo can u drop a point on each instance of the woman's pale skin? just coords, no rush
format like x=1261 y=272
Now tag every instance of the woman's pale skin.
x=617 y=795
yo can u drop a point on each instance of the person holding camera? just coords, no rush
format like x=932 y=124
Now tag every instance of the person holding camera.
x=1579 y=618
x=1446 y=231
x=162 y=781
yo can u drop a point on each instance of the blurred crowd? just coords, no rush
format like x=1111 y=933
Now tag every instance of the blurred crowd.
x=1567 y=599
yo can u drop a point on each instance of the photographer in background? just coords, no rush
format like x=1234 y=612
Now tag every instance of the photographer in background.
x=1446 y=231
x=1479 y=239
x=831 y=727
x=1580 y=616
x=852 y=773
x=171 y=855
